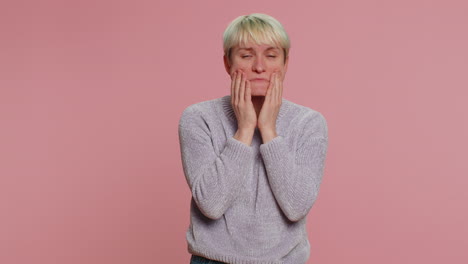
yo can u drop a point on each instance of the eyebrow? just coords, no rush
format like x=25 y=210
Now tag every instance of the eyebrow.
x=269 y=48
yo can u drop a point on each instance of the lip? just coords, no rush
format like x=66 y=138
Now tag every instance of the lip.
x=258 y=79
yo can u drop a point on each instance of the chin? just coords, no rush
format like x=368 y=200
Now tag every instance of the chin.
x=258 y=91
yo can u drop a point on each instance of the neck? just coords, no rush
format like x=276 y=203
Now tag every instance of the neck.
x=258 y=103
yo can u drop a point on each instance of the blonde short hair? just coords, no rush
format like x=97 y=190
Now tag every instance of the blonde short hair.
x=256 y=27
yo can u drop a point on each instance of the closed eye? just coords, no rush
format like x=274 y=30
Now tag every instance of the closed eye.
x=246 y=56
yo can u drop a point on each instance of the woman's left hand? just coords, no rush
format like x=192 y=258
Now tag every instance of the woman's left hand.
x=267 y=117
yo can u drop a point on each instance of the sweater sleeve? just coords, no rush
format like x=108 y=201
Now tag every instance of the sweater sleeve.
x=215 y=180
x=295 y=174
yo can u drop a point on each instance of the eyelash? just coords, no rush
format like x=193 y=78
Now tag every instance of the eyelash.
x=271 y=56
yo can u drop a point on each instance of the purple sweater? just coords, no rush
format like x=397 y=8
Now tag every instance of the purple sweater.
x=249 y=203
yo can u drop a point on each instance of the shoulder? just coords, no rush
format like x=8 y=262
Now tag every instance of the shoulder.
x=197 y=112
x=304 y=114
x=307 y=118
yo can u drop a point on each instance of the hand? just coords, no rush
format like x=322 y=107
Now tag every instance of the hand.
x=241 y=102
x=270 y=109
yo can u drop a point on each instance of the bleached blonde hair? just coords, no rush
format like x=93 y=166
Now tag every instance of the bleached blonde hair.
x=256 y=27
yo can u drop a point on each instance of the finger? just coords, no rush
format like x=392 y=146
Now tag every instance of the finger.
x=233 y=82
x=273 y=88
x=268 y=92
x=242 y=88
x=236 y=87
x=277 y=88
x=248 y=92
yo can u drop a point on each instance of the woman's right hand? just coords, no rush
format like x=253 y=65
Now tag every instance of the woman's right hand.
x=241 y=102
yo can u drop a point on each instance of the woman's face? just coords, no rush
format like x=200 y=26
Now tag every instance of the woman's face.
x=258 y=62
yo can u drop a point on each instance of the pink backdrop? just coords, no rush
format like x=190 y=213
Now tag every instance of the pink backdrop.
x=91 y=93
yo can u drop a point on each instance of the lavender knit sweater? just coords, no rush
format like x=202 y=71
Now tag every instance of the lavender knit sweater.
x=249 y=203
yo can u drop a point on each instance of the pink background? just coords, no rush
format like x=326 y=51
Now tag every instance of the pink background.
x=91 y=93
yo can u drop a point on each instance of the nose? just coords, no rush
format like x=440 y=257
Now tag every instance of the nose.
x=258 y=65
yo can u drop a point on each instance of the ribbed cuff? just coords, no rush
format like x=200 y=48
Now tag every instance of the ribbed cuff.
x=237 y=150
x=274 y=149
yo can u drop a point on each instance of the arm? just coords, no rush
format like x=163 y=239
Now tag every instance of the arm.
x=295 y=174
x=214 y=180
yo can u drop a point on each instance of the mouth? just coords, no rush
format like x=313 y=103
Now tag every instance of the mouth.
x=258 y=80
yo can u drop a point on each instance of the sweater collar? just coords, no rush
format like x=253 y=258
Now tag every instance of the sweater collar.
x=229 y=111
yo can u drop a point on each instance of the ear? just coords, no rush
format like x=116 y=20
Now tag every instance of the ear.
x=226 y=65
x=286 y=64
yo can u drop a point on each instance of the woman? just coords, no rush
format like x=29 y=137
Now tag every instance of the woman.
x=253 y=160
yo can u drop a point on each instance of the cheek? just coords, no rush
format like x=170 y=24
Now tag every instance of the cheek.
x=234 y=67
x=238 y=67
x=281 y=72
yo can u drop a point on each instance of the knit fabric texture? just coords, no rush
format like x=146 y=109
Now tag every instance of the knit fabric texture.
x=249 y=204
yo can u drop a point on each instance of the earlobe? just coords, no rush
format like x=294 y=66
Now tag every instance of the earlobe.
x=226 y=65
